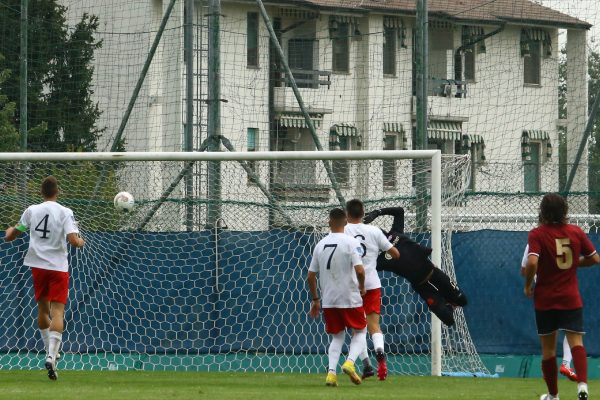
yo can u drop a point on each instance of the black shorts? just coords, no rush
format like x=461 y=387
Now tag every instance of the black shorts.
x=549 y=321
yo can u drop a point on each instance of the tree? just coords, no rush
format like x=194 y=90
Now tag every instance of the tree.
x=60 y=108
x=9 y=136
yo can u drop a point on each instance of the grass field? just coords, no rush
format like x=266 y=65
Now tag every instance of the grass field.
x=264 y=386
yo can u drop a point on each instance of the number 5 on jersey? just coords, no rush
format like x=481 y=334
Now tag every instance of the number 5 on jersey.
x=564 y=253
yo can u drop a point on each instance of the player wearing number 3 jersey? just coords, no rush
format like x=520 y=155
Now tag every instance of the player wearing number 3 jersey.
x=50 y=226
x=556 y=249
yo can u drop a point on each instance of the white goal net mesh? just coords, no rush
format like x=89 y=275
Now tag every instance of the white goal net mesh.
x=205 y=284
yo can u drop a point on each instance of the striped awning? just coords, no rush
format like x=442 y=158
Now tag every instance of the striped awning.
x=472 y=139
x=444 y=130
x=537 y=135
x=393 y=127
x=535 y=35
x=343 y=19
x=298 y=121
x=344 y=130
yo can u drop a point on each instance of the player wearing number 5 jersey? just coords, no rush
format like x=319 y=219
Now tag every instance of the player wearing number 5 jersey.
x=556 y=249
x=50 y=226
x=337 y=261
x=373 y=242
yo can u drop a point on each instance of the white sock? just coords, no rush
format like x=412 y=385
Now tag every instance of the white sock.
x=357 y=344
x=567 y=357
x=54 y=344
x=45 y=338
x=364 y=356
x=378 y=341
x=335 y=350
x=582 y=387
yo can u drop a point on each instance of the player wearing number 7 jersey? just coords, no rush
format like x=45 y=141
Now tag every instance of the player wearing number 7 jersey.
x=50 y=226
x=556 y=249
x=337 y=260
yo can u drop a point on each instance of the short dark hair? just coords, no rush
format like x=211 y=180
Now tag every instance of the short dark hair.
x=553 y=209
x=49 y=187
x=355 y=208
x=337 y=214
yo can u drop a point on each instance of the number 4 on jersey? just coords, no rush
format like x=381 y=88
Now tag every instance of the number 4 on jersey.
x=44 y=230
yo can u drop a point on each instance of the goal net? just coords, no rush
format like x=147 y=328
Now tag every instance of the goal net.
x=216 y=280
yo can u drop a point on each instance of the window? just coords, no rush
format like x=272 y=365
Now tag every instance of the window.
x=389 y=51
x=532 y=63
x=295 y=173
x=342 y=168
x=441 y=51
x=341 y=48
x=531 y=169
x=252 y=140
x=301 y=56
x=252 y=40
x=470 y=57
x=390 y=142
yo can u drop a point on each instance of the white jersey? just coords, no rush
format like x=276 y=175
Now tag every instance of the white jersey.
x=334 y=258
x=48 y=223
x=372 y=241
x=525 y=256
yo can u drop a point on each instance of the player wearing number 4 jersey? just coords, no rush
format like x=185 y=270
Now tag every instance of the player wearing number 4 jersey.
x=372 y=241
x=337 y=261
x=50 y=226
x=556 y=249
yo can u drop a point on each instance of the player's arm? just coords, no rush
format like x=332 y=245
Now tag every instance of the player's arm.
x=589 y=261
x=524 y=260
x=311 y=280
x=75 y=240
x=13 y=232
x=396 y=212
x=530 y=271
x=590 y=256
x=360 y=275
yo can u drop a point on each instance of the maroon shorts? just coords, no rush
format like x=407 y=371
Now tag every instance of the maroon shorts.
x=372 y=301
x=337 y=319
x=50 y=285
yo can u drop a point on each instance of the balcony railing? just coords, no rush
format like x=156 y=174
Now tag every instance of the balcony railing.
x=310 y=79
x=447 y=88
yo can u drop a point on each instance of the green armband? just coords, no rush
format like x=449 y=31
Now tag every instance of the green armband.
x=21 y=228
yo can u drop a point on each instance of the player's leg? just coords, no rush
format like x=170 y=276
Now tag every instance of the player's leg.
x=334 y=326
x=450 y=290
x=57 y=295
x=436 y=302
x=372 y=306
x=572 y=322
x=547 y=327
x=355 y=318
x=40 y=286
x=565 y=367
x=43 y=319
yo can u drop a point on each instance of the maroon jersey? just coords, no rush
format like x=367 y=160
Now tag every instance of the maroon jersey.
x=558 y=247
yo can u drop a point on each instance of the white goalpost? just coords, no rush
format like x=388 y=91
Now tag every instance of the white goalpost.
x=224 y=290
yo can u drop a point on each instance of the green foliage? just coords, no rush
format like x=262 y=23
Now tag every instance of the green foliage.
x=77 y=182
x=9 y=136
x=60 y=108
x=594 y=143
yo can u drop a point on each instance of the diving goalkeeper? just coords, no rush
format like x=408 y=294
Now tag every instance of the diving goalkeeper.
x=431 y=283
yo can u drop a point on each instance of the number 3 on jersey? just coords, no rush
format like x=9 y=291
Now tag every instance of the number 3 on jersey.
x=362 y=244
x=44 y=230
x=564 y=253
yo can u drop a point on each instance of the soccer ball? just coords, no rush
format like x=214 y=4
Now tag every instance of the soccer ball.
x=124 y=201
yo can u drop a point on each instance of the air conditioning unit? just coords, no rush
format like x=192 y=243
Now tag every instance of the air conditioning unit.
x=449 y=90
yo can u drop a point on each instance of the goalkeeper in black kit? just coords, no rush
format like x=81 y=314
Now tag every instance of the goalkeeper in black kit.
x=432 y=284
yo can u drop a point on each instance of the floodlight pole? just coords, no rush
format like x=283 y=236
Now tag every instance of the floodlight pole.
x=422 y=77
x=214 y=112
x=188 y=145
